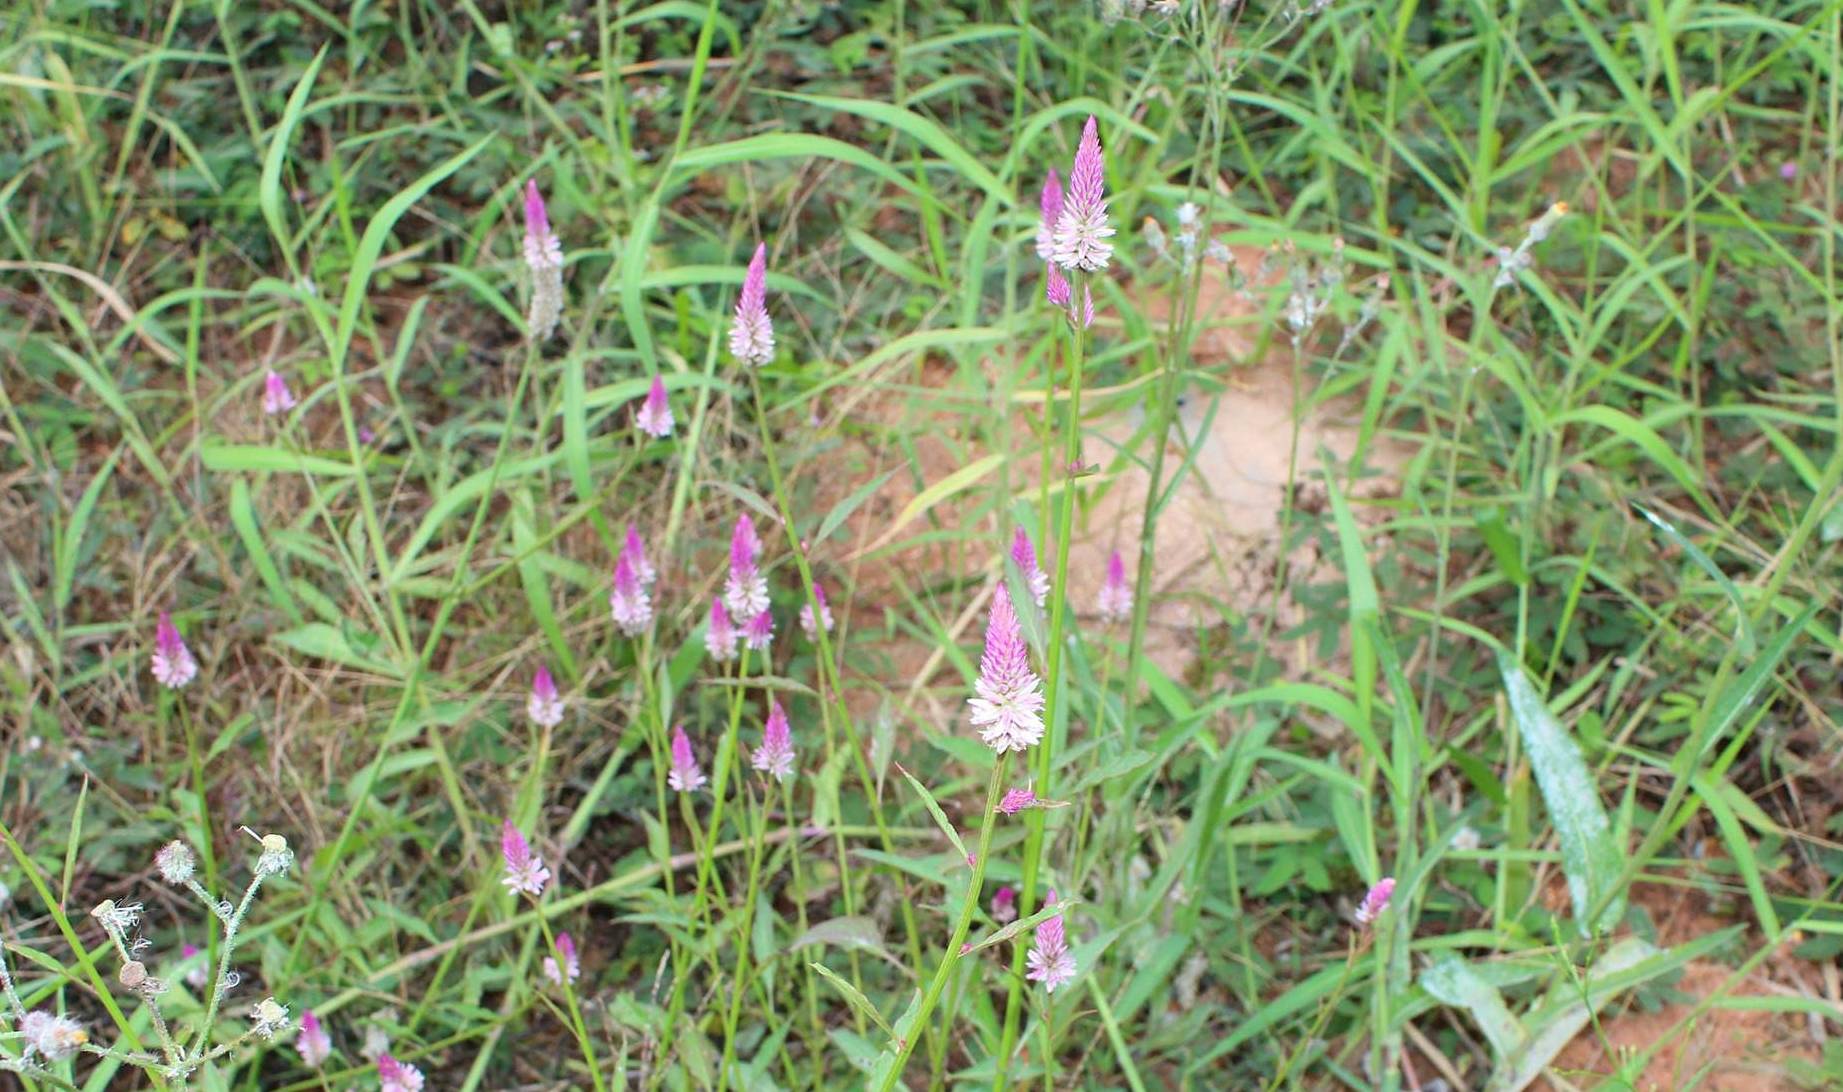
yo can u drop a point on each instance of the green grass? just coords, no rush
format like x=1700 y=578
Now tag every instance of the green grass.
x=1552 y=641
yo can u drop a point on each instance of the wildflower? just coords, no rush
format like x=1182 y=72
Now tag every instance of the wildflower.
x=635 y=546
x=51 y=1036
x=1050 y=962
x=195 y=977
x=173 y=663
x=269 y=1017
x=1008 y=707
x=275 y=857
x=1788 y=171
x=1082 y=231
x=1025 y=555
x=544 y=257
x=745 y=592
x=1004 y=905
x=1116 y=594
x=628 y=602
x=720 y=635
x=752 y=334
x=276 y=397
x=312 y=1042
x=654 y=417
x=1375 y=901
x=1087 y=307
x=525 y=871
x=1056 y=288
x=808 y=624
x=1017 y=800
x=684 y=775
x=544 y=706
x=1050 y=205
x=758 y=631
x=572 y=966
x=395 y=1076
x=775 y=757
x=175 y=862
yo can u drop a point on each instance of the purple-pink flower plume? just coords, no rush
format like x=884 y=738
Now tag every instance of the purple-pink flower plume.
x=544 y=257
x=1049 y=206
x=395 y=1076
x=525 y=871
x=654 y=417
x=1116 y=599
x=544 y=706
x=745 y=591
x=635 y=547
x=1375 y=901
x=720 y=636
x=1056 y=288
x=775 y=757
x=758 y=631
x=173 y=663
x=1050 y=962
x=312 y=1041
x=276 y=397
x=808 y=625
x=1004 y=906
x=572 y=966
x=1025 y=556
x=1016 y=800
x=752 y=334
x=684 y=776
x=1008 y=704
x=1082 y=231
x=628 y=602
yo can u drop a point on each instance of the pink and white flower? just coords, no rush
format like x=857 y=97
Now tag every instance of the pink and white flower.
x=1008 y=704
x=628 y=602
x=745 y=590
x=807 y=624
x=1082 y=230
x=758 y=631
x=752 y=333
x=173 y=663
x=1025 y=555
x=312 y=1041
x=395 y=1076
x=1116 y=599
x=1050 y=962
x=544 y=706
x=276 y=397
x=720 y=635
x=654 y=417
x=544 y=257
x=775 y=757
x=1375 y=901
x=572 y=966
x=684 y=776
x=525 y=871
x=1049 y=206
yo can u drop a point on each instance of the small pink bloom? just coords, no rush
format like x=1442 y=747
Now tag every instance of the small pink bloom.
x=312 y=1042
x=745 y=590
x=1082 y=230
x=542 y=247
x=1056 y=288
x=1025 y=555
x=1375 y=901
x=635 y=547
x=720 y=636
x=759 y=631
x=1007 y=706
x=1017 y=800
x=825 y=614
x=543 y=706
x=525 y=871
x=173 y=663
x=752 y=334
x=1116 y=600
x=685 y=776
x=628 y=602
x=654 y=417
x=276 y=397
x=572 y=966
x=395 y=1076
x=1004 y=906
x=775 y=757
x=1050 y=961
x=1049 y=205
x=1788 y=171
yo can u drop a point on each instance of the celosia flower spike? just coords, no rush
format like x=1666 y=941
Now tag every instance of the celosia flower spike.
x=1375 y=901
x=276 y=397
x=635 y=547
x=1116 y=600
x=1017 y=800
x=312 y=1041
x=1008 y=704
x=745 y=591
x=1049 y=206
x=775 y=757
x=654 y=417
x=543 y=705
x=758 y=631
x=525 y=871
x=544 y=257
x=1050 y=962
x=628 y=602
x=173 y=663
x=1004 y=906
x=395 y=1076
x=1082 y=231
x=1056 y=288
x=572 y=966
x=808 y=624
x=685 y=776
x=752 y=334
x=1025 y=555
x=720 y=635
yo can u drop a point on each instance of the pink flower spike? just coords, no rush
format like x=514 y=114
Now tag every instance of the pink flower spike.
x=628 y=603
x=752 y=334
x=537 y=218
x=745 y=591
x=1082 y=231
x=525 y=871
x=758 y=631
x=654 y=417
x=276 y=397
x=313 y=1043
x=173 y=663
x=1017 y=800
x=1056 y=288
x=1116 y=600
x=1050 y=961
x=635 y=546
x=685 y=776
x=544 y=258
x=1049 y=204
x=543 y=706
x=1008 y=704
x=395 y=1076
x=807 y=624
x=1025 y=555
x=775 y=757
x=720 y=635
x=572 y=966
x=1004 y=906
x=1375 y=901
